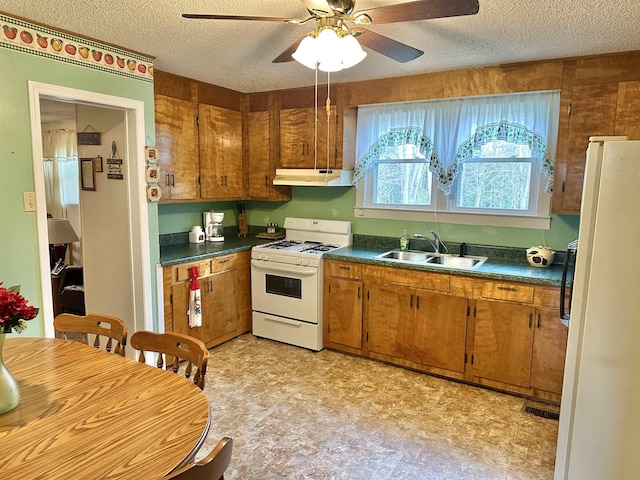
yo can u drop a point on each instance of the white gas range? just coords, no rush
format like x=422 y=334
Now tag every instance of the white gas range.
x=286 y=281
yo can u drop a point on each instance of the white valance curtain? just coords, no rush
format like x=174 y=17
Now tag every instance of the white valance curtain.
x=60 y=152
x=450 y=132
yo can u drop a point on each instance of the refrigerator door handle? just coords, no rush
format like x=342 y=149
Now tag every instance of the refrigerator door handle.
x=563 y=287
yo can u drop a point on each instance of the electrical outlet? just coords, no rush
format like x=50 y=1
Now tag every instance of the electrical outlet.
x=29 y=200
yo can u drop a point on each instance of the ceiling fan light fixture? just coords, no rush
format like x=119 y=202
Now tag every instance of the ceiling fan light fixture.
x=331 y=49
x=351 y=51
x=306 y=53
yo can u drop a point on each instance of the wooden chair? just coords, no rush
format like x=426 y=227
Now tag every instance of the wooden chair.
x=212 y=467
x=175 y=347
x=95 y=324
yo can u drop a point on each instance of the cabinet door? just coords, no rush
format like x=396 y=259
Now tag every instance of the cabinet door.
x=243 y=265
x=180 y=308
x=503 y=342
x=295 y=144
x=219 y=305
x=390 y=317
x=593 y=112
x=440 y=330
x=343 y=311
x=549 y=349
x=177 y=143
x=220 y=137
x=327 y=131
x=259 y=164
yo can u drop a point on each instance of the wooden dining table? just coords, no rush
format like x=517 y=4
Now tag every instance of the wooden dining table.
x=88 y=414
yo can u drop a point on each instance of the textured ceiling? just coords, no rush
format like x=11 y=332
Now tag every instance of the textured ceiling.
x=238 y=54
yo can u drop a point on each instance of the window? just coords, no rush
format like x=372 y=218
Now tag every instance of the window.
x=482 y=160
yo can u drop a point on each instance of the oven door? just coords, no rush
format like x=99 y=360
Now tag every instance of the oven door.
x=290 y=291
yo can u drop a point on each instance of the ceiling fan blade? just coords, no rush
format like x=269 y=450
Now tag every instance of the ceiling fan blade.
x=386 y=46
x=321 y=7
x=237 y=17
x=419 y=10
x=286 y=55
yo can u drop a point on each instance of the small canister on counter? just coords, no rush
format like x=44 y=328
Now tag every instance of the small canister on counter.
x=272 y=227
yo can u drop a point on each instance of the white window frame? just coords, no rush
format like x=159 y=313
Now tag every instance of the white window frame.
x=443 y=209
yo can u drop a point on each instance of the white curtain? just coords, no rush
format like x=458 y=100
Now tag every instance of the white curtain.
x=450 y=131
x=60 y=151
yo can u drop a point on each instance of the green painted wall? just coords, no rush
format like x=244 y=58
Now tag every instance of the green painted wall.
x=18 y=231
x=337 y=203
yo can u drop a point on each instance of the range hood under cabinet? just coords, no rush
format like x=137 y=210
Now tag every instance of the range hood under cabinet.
x=313 y=178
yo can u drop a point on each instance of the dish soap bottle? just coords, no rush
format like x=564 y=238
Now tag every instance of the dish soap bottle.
x=404 y=241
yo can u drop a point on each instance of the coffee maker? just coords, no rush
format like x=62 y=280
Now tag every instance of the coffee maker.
x=213 y=226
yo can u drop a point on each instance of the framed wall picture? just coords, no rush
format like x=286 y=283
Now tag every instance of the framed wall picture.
x=87 y=174
x=152 y=174
x=153 y=193
x=98 y=163
x=151 y=154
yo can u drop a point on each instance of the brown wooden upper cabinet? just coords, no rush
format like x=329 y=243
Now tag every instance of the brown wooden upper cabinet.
x=199 y=140
x=177 y=142
x=220 y=138
x=261 y=149
x=304 y=146
x=600 y=96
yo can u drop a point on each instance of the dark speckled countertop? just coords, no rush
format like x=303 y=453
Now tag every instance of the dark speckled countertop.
x=498 y=267
x=186 y=252
x=503 y=263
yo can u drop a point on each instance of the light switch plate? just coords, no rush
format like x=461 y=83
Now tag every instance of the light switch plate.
x=29 y=200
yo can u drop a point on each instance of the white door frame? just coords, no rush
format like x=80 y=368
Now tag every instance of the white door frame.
x=138 y=214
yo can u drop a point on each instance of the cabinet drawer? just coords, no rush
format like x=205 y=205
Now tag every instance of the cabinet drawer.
x=548 y=297
x=220 y=264
x=181 y=272
x=414 y=278
x=507 y=291
x=344 y=270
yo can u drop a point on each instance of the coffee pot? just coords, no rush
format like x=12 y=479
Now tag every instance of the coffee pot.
x=213 y=226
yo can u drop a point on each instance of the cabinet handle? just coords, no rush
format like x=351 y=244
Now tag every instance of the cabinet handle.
x=358 y=292
x=417 y=302
x=530 y=320
x=266 y=180
x=538 y=320
x=508 y=289
x=303 y=149
x=166 y=179
x=222 y=180
x=226 y=181
x=223 y=261
x=411 y=301
x=173 y=180
x=344 y=267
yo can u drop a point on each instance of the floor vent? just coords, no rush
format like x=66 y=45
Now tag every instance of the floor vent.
x=539 y=412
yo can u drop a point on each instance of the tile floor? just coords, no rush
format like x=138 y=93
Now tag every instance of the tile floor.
x=297 y=414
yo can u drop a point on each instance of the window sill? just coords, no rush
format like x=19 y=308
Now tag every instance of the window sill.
x=514 y=221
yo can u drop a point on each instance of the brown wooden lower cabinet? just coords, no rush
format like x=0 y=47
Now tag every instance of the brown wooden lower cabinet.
x=501 y=335
x=224 y=290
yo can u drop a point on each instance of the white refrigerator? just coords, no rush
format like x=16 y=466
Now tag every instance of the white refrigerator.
x=599 y=429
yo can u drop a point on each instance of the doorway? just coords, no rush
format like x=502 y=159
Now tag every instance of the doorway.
x=114 y=216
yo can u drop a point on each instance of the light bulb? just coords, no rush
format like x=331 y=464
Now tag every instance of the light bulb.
x=306 y=53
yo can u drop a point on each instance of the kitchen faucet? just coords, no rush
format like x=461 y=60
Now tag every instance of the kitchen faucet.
x=436 y=243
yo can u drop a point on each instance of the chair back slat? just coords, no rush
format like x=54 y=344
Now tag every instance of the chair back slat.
x=112 y=328
x=174 y=347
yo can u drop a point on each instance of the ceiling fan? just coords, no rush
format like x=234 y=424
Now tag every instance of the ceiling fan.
x=339 y=15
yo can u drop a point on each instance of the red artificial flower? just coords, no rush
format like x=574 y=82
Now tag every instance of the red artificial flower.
x=14 y=310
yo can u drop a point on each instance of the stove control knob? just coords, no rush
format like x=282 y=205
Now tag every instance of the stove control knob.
x=266 y=256
x=259 y=256
x=299 y=261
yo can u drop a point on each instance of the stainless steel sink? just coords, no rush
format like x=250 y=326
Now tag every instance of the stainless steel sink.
x=449 y=260
x=429 y=258
x=410 y=256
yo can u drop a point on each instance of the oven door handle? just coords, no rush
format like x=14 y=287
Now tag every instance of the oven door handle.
x=292 y=270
